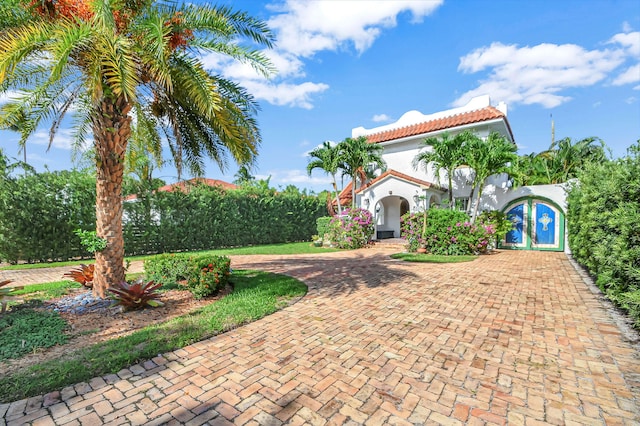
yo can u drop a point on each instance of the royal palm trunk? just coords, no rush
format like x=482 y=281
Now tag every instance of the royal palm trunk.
x=111 y=128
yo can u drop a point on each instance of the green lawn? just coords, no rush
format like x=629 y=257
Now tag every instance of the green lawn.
x=256 y=294
x=432 y=258
x=284 y=248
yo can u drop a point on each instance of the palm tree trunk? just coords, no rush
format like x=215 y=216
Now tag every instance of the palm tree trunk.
x=475 y=207
x=111 y=129
x=451 y=206
x=335 y=188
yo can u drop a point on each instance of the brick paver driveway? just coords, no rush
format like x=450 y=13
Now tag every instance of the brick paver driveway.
x=510 y=338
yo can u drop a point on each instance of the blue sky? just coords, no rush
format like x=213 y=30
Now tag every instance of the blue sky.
x=345 y=64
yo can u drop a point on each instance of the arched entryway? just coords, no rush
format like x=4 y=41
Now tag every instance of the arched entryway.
x=539 y=224
x=388 y=212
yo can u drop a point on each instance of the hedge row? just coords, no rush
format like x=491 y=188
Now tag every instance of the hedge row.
x=604 y=227
x=39 y=212
x=208 y=217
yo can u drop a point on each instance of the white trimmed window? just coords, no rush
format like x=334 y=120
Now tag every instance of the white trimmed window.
x=461 y=203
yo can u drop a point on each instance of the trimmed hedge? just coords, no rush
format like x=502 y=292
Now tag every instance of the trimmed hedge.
x=40 y=211
x=604 y=227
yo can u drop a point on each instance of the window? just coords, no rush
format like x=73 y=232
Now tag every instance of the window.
x=461 y=203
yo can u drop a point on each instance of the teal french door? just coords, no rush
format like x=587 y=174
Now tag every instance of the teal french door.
x=538 y=225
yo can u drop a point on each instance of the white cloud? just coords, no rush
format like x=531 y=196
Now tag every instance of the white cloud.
x=596 y=104
x=295 y=177
x=631 y=99
x=626 y=27
x=538 y=74
x=298 y=95
x=630 y=41
x=380 y=118
x=62 y=140
x=307 y=27
x=630 y=75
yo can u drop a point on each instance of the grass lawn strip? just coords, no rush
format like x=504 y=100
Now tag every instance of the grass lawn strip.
x=282 y=249
x=432 y=258
x=256 y=294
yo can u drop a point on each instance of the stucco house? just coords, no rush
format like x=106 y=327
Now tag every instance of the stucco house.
x=537 y=211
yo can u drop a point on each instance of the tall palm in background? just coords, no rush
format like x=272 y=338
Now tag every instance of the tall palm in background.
x=444 y=153
x=108 y=59
x=486 y=158
x=326 y=157
x=564 y=157
x=359 y=159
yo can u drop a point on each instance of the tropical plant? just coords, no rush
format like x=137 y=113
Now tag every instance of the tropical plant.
x=105 y=60
x=445 y=154
x=136 y=295
x=565 y=158
x=90 y=240
x=351 y=230
x=448 y=232
x=486 y=158
x=359 y=159
x=243 y=176
x=327 y=157
x=82 y=274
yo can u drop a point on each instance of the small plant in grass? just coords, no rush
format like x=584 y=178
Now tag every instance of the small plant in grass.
x=82 y=274
x=25 y=330
x=136 y=295
x=209 y=274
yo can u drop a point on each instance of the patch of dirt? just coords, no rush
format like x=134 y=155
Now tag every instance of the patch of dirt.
x=110 y=323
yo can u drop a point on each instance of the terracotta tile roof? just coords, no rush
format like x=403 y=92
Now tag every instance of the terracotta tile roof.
x=477 y=116
x=345 y=195
x=399 y=175
x=184 y=186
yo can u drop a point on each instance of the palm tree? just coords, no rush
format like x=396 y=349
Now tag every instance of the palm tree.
x=488 y=158
x=104 y=60
x=359 y=159
x=326 y=157
x=445 y=153
x=243 y=176
x=564 y=158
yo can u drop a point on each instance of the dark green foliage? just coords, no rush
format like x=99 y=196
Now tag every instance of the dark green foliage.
x=168 y=269
x=25 y=330
x=322 y=225
x=39 y=212
x=208 y=217
x=137 y=295
x=203 y=219
x=209 y=274
x=203 y=274
x=604 y=226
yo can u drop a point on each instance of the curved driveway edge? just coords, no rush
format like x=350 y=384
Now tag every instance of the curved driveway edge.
x=511 y=338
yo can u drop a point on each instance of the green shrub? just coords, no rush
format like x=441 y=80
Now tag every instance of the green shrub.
x=352 y=230
x=204 y=274
x=168 y=269
x=499 y=222
x=603 y=217
x=322 y=225
x=447 y=232
x=208 y=274
x=25 y=330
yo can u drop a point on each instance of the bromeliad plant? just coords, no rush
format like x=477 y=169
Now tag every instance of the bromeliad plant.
x=136 y=295
x=83 y=275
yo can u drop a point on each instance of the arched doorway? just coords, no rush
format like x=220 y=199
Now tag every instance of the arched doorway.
x=538 y=225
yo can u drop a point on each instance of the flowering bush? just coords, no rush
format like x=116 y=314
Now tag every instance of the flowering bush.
x=499 y=222
x=447 y=232
x=351 y=230
x=209 y=274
